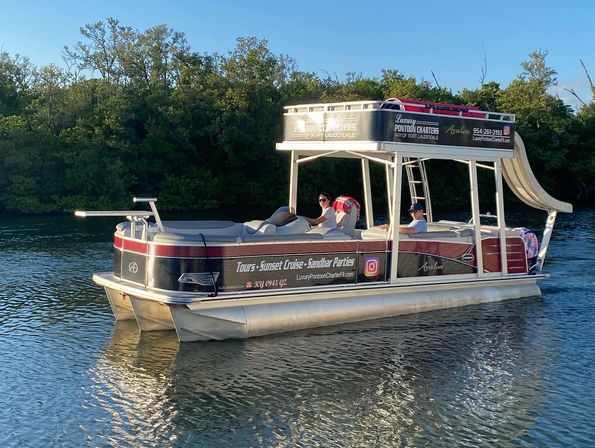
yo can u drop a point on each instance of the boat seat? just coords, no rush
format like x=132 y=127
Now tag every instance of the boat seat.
x=124 y=229
x=374 y=233
x=204 y=227
x=440 y=234
x=378 y=233
x=329 y=234
x=347 y=212
x=191 y=225
x=282 y=222
x=281 y=237
x=258 y=226
x=184 y=227
x=169 y=237
x=299 y=226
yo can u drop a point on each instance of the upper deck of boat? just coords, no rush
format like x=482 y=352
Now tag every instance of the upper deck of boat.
x=413 y=128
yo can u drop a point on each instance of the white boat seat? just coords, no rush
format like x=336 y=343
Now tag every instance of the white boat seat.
x=281 y=237
x=204 y=227
x=378 y=233
x=329 y=234
x=299 y=226
x=258 y=226
x=346 y=221
x=440 y=234
x=169 y=237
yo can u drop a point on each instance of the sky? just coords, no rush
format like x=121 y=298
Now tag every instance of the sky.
x=449 y=38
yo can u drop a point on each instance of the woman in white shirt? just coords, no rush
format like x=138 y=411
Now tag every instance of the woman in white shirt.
x=327 y=217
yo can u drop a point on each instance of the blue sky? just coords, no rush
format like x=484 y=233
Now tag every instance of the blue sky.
x=339 y=36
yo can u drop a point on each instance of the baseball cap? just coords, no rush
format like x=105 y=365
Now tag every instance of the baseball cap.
x=416 y=207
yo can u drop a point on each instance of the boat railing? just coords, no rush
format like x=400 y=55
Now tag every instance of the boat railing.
x=487 y=215
x=136 y=217
x=404 y=105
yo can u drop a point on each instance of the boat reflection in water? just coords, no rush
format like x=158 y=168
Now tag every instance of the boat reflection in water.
x=460 y=376
x=133 y=379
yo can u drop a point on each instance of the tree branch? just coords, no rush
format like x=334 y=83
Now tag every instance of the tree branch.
x=435 y=80
x=571 y=91
x=588 y=76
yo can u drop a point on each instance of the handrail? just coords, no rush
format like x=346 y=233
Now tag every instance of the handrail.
x=351 y=106
x=151 y=202
x=132 y=213
x=134 y=216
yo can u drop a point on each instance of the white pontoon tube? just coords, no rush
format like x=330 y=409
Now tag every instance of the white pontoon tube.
x=521 y=180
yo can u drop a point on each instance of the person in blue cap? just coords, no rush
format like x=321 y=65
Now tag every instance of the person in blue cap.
x=417 y=225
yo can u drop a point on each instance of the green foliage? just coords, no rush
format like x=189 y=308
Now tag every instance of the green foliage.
x=545 y=123
x=486 y=98
x=396 y=85
x=15 y=74
x=138 y=112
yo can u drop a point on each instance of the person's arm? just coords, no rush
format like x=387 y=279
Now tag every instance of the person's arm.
x=405 y=230
x=315 y=221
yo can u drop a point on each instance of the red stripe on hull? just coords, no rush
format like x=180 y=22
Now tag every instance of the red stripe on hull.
x=242 y=250
x=515 y=248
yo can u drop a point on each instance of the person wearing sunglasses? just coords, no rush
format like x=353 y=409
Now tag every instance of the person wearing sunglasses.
x=327 y=217
x=418 y=223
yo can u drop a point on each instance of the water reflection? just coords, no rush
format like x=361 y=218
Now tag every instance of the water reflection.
x=460 y=377
x=131 y=377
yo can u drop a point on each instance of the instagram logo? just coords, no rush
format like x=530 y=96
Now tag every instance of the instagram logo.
x=371 y=266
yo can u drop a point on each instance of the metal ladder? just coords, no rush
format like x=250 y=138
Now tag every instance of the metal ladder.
x=419 y=188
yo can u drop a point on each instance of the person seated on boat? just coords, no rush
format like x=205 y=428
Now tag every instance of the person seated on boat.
x=327 y=217
x=417 y=225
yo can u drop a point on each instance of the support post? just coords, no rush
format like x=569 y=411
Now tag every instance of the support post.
x=293 y=182
x=389 y=189
x=395 y=219
x=367 y=193
x=545 y=240
x=501 y=217
x=476 y=217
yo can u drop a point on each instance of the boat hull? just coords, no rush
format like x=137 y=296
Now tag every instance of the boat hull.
x=151 y=315
x=119 y=303
x=239 y=317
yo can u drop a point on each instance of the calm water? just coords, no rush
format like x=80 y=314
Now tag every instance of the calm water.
x=517 y=373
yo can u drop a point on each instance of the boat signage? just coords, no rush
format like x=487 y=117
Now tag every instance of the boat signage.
x=131 y=265
x=422 y=265
x=295 y=271
x=267 y=271
x=399 y=126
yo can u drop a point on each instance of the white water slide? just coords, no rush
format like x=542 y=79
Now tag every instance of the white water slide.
x=523 y=183
x=521 y=180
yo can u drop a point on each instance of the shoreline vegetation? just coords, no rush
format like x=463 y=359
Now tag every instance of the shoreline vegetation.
x=141 y=113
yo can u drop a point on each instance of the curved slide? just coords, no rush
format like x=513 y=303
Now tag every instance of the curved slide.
x=522 y=181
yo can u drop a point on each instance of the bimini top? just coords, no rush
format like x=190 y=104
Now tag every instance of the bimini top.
x=400 y=122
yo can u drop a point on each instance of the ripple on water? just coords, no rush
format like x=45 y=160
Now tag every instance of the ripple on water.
x=517 y=373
